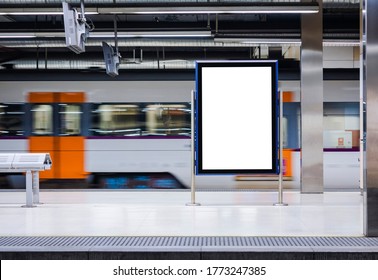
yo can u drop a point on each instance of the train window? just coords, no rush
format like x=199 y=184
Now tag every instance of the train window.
x=116 y=119
x=70 y=119
x=168 y=119
x=42 y=116
x=11 y=119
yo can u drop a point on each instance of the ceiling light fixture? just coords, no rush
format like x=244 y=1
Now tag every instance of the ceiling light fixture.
x=47 y=12
x=213 y=9
x=259 y=41
x=154 y=34
x=16 y=35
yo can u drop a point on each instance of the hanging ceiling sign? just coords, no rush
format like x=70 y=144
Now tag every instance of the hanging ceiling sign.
x=236 y=117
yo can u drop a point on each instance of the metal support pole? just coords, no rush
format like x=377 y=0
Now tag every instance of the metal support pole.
x=216 y=23
x=82 y=10
x=36 y=187
x=45 y=58
x=362 y=101
x=29 y=189
x=193 y=172
x=311 y=65
x=115 y=34
x=369 y=10
x=280 y=176
x=362 y=140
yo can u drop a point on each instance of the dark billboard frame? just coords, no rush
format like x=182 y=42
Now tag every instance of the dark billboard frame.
x=203 y=71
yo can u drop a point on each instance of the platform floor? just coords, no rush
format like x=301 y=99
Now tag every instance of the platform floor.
x=164 y=213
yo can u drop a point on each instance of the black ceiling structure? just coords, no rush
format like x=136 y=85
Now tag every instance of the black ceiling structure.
x=32 y=32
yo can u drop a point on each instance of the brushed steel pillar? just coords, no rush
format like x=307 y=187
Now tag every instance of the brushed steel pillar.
x=312 y=101
x=370 y=96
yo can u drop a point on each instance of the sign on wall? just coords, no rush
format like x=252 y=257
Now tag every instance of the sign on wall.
x=236 y=117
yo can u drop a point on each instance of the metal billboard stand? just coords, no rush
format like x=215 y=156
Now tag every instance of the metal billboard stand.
x=193 y=173
x=280 y=176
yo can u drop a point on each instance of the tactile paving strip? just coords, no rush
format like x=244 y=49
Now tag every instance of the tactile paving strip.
x=176 y=243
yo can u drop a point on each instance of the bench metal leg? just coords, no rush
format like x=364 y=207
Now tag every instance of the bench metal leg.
x=29 y=189
x=36 y=187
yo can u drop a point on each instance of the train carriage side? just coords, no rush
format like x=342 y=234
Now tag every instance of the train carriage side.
x=115 y=133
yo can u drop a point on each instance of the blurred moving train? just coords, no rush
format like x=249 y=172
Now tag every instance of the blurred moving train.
x=136 y=134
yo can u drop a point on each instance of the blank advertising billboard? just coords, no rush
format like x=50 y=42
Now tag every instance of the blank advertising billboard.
x=236 y=117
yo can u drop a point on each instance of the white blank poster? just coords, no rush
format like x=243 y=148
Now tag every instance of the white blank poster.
x=236 y=118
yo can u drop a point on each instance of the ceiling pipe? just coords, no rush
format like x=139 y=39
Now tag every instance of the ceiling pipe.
x=217 y=42
x=154 y=8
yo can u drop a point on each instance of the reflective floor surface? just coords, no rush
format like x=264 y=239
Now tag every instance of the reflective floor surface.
x=165 y=213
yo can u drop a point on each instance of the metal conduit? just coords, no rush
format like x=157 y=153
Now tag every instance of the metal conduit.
x=58 y=2
x=164 y=7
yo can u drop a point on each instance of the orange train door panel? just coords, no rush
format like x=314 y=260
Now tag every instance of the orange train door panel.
x=71 y=97
x=41 y=97
x=67 y=152
x=288 y=96
x=287 y=162
x=55 y=97
x=71 y=157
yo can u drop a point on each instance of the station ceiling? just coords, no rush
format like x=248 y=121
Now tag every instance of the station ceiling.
x=165 y=34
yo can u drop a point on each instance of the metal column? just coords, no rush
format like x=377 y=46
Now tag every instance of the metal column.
x=370 y=128
x=312 y=102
